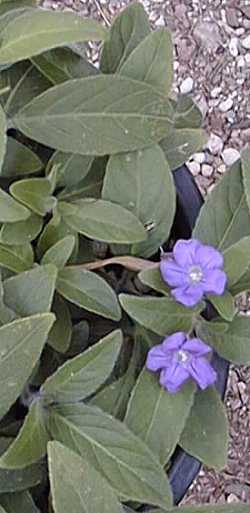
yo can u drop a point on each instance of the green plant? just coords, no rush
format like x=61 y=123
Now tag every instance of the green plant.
x=87 y=197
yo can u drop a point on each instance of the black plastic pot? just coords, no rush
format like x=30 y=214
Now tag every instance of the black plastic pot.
x=189 y=202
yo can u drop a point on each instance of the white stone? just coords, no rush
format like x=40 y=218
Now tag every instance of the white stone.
x=160 y=22
x=226 y=105
x=215 y=144
x=207 y=170
x=194 y=167
x=247 y=59
x=187 y=86
x=221 y=169
x=234 y=46
x=230 y=155
x=199 y=157
x=246 y=42
x=215 y=92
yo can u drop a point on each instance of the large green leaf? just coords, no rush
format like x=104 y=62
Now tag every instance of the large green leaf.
x=34 y=31
x=35 y=193
x=19 y=503
x=19 y=160
x=8 y=5
x=81 y=376
x=205 y=435
x=128 y=180
x=97 y=116
x=60 y=252
x=161 y=315
x=232 y=343
x=63 y=64
x=61 y=332
x=156 y=416
x=72 y=168
x=224 y=305
x=89 y=291
x=181 y=144
x=152 y=61
x=90 y=186
x=10 y=210
x=187 y=114
x=19 y=479
x=31 y=292
x=130 y=27
x=107 y=444
x=3 y=136
x=102 y=220
x=21 y=232
x=21 y=344
x=153 y=279
x=76 y=485
x=16 y=258
x=224 y=218
x=55 y=230
x=245 y=163
x=237 y=266
x=31 y=442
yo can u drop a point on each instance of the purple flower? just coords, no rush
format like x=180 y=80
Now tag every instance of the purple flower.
x=194 y=269
x=180 y=358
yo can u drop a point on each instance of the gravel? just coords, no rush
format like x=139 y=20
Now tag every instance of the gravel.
x=212 y=63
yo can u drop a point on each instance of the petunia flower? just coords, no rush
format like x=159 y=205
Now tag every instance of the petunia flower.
x=179 y=358
x=194 y=269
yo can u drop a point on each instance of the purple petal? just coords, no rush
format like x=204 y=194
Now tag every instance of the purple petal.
x=214 y=281
x=173 y=377
x=188 y=296
x=174 y=342
x=185 y=252
x=172 y=273
x=209 y=257
x=156 y=358
x=202 y=372
x=196 y=347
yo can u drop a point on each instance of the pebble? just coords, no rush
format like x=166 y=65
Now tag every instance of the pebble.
x=246 y=42
x=215 y=144
x=160 y=22
x=221 y=169
x=194 y=167
x=247 y=59
x=226 y=105
x=216 y=92
x=234 y=46
x=199 y=157
x=207 y=170
x=187 y=86
x=230 y=155
x=241 y=61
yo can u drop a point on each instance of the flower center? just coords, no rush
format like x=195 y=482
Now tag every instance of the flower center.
x=195 y=274
x=182 y=356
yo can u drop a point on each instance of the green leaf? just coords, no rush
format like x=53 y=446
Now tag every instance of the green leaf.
x=237 y=266
x=232 y=343
x=19 y=160
x=89 y=291
x=76 y=485
x=152 y=61
x=90 y=186
x=205 y=435
x=97 y=116
x=63 y=64
x=22 y=342
x=245 y=165
x=34 y=31
x=18 y=480
x=16 y=258
x=156 y=416
x=161 y=315
x=10 y=210
x=3 y=136
x=224 y=305
x=21 y=232
x=127 y=181
x=18 y=503
x=102 y=220
x=187 y=114
x=35 y=194
x=31 y=292
x=54 y=231
x=8 y=5
x=153 y=279
x=130 y=27
x=132 y=470
x=72 y=168
x=181 y=144
x=60 y=334
x=209 y=508
x=60 y=253
x=81 y=376
x=224 y=218
x=31 y=443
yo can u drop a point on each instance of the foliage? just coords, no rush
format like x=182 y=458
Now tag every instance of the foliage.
x=87 y=193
